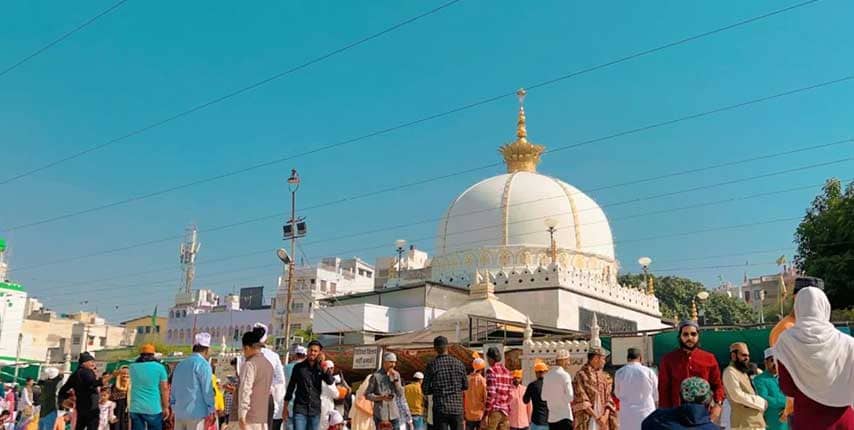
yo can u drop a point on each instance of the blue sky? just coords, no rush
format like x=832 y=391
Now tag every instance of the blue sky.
x=149 y=60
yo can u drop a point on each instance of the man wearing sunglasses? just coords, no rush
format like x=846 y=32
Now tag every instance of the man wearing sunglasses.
x=684 y=362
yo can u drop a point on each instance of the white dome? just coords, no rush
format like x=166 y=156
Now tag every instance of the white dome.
x=511 y=210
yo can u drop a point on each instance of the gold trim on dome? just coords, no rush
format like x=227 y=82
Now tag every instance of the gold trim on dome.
x=505 y=210
x=576 y=225
x=521 y=155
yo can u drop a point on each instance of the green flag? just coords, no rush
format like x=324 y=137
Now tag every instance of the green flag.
x=154 y=317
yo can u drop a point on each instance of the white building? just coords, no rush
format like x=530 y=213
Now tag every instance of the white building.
x=13 y=300
x=223 y=317
x=546 y=246
x=333 y=276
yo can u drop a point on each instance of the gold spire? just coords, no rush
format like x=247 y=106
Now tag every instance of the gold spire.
x=650 y=286
x=521 y=155
x=694 y=315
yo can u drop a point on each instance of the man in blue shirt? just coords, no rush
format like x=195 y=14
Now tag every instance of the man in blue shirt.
x=192 y=395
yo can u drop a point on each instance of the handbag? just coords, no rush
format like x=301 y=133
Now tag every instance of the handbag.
x=385 y=423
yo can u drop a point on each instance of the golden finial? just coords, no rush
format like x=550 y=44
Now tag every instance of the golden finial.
x=694 y=315
x=521 y=155
x=650 y=287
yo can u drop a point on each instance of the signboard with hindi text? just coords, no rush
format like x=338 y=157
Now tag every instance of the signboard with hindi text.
x=366 y=357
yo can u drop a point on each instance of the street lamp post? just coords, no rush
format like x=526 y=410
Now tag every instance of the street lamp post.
x=400 y=245
x=644 y=263
x=761 y=306
x=290 y=233
x=551 y=227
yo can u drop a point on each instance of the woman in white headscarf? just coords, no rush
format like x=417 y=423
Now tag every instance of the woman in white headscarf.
x=815 y=362
x=362 y=411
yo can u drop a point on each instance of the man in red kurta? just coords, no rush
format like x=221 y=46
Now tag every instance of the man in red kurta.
x=687 y=361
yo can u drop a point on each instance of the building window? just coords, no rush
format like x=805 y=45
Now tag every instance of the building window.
x=332 y=287
x=140 y=330
x=103 y=341
x=756 y=295
x=295 y=327
x=297 y=307
x=747 y=296
x=75 y=340
x=157 y=329
x=323 y=286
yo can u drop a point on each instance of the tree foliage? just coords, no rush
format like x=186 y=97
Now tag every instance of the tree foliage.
x=825 y=240
x=675 y=294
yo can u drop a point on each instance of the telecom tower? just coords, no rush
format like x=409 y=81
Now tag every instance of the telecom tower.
x=187 y=257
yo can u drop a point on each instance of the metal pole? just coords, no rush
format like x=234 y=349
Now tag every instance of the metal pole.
x=290 y=275
x=18 y=356
x=399 y=263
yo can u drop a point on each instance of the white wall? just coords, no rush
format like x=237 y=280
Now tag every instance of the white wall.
x=218 y=324
x=373 y=318
x=12 y=306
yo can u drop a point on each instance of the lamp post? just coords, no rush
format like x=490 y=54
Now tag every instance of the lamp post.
x=400 y=245
x=761 y=306
x=551 y=227
x=702 y=296
x=644 y=263
x=290 y=233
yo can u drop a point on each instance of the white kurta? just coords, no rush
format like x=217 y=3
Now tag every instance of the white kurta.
x=328 y=394
x=277 y=390
x=637 y=388
x=557 y=392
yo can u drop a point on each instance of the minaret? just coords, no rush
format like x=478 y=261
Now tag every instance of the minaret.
x=521 y=155
x=595 y=341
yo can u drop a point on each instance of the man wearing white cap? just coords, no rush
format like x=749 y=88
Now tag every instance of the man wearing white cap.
x=557 y=393
x=382 y=389
x=768 y=387
x=299 y=356
x=415 y=400
x=277 y=391
x=192 y=394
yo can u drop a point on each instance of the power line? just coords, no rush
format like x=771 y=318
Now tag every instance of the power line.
x=619 y=203
x=64 y=36
x=524 y=234
x=230 y=95
x=393 y=128
x=410 y=184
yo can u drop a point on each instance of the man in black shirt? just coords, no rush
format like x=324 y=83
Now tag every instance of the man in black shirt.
x=533 y=394
x=445 y=379
x=304 y=388
x=85 y=384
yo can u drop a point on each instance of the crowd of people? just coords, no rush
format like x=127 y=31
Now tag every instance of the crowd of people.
x=806 y=384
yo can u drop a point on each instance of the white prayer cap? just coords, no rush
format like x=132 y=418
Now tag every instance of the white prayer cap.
x=259 y=325
x=335 y=418
x=769 y=352
x=300 y=350
x=329 y=364
x=418 y=375
x=203 y=339
x=390 y=357
x=51 y=372
x=562 y=354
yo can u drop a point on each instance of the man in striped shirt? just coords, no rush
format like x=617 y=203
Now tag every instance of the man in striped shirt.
x=499 y=383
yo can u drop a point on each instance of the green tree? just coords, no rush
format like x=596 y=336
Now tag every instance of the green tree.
x=307 y=334
x=675 y=294
x=825 y=240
